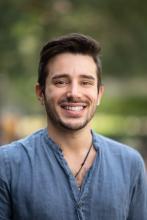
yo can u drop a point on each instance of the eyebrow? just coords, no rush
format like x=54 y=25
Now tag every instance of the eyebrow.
x=59 y=76
x=66 y=75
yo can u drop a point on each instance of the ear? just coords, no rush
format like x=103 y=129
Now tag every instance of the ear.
x=39 y=93
x=100 y=94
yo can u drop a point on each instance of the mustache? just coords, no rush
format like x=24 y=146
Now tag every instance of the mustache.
x=72 y=100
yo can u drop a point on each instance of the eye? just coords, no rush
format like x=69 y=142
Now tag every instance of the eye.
x=87 y=83
x=60 y=82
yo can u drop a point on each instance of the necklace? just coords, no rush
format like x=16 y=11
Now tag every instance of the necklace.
x=84 y=161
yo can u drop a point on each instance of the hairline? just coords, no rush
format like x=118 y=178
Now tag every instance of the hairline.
x=58 y=46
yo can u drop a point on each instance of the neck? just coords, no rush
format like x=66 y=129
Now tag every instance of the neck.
x=71 y=141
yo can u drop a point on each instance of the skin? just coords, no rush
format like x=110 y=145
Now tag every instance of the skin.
x=70 y=99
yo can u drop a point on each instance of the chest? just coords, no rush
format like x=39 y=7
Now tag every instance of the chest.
x=79 y=165
x=48 y=190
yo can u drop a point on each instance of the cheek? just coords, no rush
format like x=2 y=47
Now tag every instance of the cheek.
x=50 y=93
x=93 y=96
x=53 y=95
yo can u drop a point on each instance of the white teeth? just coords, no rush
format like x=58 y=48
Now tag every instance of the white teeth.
x=74 y=108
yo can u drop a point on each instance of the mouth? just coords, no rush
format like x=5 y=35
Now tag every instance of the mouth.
x=74 y=107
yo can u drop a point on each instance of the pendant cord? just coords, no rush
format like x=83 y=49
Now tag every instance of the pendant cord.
x=84 y=161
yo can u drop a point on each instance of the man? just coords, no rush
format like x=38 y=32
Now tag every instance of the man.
x=66 y=171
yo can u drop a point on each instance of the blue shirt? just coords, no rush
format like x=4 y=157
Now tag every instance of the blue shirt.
x=37 y=184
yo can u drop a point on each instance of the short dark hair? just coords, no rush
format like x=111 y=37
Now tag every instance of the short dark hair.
x=73 y=43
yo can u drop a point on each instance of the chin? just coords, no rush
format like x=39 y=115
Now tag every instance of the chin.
x=72 y=126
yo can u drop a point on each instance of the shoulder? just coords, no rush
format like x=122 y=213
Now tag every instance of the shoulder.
x=13 y=154
x=118 y=153
x=28 y=141
x=114 y=146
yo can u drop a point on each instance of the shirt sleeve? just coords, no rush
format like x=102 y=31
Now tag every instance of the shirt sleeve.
x=138 y=205
x=5 y=204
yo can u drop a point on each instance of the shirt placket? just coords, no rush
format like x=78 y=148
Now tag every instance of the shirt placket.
x=80 y=195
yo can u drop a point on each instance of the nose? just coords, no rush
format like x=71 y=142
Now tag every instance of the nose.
x=74 y=90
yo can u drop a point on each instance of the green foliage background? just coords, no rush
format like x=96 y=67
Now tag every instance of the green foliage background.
x=119 y=25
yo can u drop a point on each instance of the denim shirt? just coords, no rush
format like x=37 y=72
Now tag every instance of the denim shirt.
x=37 y=184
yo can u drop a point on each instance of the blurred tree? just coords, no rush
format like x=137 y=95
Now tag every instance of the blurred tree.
x=119 y=25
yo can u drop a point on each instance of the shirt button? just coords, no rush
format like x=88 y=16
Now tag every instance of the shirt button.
x=79 y=205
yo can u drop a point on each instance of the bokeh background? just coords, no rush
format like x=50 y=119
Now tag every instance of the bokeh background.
x=120 y=27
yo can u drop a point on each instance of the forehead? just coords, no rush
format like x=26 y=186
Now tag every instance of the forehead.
x=72 y=65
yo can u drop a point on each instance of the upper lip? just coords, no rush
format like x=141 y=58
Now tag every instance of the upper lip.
x=73 y=104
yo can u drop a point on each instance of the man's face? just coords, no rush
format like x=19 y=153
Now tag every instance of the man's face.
x=71 y=92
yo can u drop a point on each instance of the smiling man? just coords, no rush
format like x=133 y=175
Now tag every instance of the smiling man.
x=66 y=171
